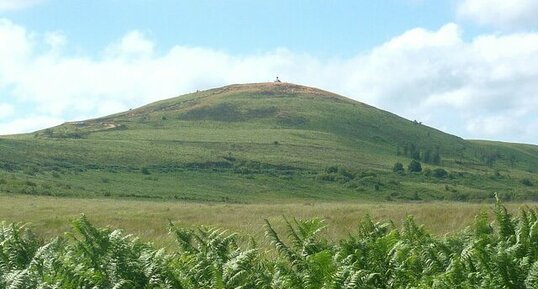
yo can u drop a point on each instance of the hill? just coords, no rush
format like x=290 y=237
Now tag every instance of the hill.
x=262 y=142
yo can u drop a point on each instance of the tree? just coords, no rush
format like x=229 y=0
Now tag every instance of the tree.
x=427 y=156
x=414 y=167
x=416 y=155
x=436 y=157
x=398 y=168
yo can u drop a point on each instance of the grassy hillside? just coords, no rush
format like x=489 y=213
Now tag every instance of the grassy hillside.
x=261 y=142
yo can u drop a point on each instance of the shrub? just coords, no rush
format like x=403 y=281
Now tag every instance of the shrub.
x=30 y=183
x=335 y=174
x=414 y=167
x=527 y=182
x=331 y=170
x=346 y=174
x=398 y=168
x=439 y=173
x=146 y=171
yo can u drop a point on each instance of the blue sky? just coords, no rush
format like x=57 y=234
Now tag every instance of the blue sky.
x=463 y=66
x=322 y=28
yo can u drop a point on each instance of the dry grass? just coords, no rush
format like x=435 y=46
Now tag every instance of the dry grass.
x=148 y=220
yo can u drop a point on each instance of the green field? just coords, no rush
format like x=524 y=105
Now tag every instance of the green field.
x=50 y=216
x=235 y=155
x=262 y=142
x=498 y=250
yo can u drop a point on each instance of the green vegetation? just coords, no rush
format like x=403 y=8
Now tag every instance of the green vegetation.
x=260 y=143
x=379 y=255
x=439 y=173
x=239 y=158
x=398 y=168
x=50 y=216
x=414 y=167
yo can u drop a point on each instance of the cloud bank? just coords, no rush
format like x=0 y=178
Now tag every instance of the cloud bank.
x=482 y=88
x=501 y=13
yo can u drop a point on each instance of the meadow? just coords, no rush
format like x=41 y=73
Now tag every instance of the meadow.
x=262 y=142
x=148 y=219
x=496 y=251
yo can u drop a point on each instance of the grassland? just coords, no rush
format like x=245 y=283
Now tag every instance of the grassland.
x=261 y=143
x=50 y=216
x=233 y=156
x=496 y=251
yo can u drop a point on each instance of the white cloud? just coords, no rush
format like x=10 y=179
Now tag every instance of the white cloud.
x=134 y=44
x=482 y=88
x=28 y=123
x=55 y=40
x=6 y=110
x=483 y=83
x=501 y=13
x=15 y=50
x=9 y=5
x=494 y=125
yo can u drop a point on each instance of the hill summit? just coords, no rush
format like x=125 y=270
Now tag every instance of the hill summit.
x=262 y=141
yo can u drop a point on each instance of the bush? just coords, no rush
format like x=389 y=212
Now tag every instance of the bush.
x=346 y=174
x=331 y=170
x=30 y=184
x=398 y=168
x=146 y=171
x=414 y=167
x=439 y=173
x=527 y=182
x=335 y=173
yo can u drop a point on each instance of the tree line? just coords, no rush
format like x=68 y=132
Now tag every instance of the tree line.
x=415 y=152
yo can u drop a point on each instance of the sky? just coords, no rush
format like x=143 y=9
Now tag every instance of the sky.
x=467 y=67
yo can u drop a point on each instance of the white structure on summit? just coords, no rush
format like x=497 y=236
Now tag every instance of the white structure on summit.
x=277 y=80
